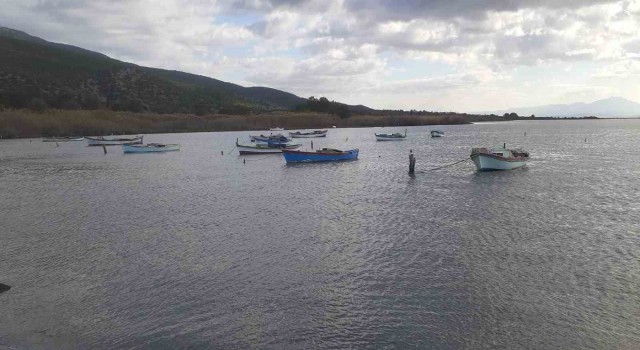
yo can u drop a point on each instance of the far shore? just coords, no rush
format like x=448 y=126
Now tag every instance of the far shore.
x=25 y=123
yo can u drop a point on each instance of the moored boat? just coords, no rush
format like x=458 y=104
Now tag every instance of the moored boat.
x=310 y=134
x=276 y=129
x=391 y=137
x=259 y=148
x=437 y=133
x=113 y=141
x=277 y=139
x=63 y=139
x=150 y=147
x=498 y=158
x=321 y=155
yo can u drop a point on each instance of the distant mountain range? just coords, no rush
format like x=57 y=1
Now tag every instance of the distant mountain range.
x=36 y=71
x=608 y=108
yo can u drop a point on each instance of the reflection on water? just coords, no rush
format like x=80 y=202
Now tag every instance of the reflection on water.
x=192 y=249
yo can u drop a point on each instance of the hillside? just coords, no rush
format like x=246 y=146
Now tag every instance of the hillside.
x=609 y=108
x=35 y=71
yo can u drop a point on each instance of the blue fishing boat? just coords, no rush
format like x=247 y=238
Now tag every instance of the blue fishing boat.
x=321 y=155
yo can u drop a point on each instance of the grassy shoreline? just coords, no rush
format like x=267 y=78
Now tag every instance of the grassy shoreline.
x=24 y=123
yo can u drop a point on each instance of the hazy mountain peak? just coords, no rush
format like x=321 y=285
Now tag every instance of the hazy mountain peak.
x=610 y=107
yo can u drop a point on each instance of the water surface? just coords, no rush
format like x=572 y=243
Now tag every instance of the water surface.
x=194 y=249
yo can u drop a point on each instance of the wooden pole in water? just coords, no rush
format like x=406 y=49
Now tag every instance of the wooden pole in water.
x=104 y=148
x=311 y=144
x=412 y=162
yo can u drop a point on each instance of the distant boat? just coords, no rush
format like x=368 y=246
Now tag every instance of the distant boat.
x=315 y=133
x=321 y=155
x=391 y=137
x=437 y=133
x=62 y=139
x=101 y=140
x=150 y=147
x=276 y=129
x=499 y=158
x=271 y=139
x=264 y=148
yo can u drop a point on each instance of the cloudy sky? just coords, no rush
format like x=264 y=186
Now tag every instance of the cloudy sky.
x=431 y=54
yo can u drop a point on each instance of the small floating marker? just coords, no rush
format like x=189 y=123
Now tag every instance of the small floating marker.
x=244 y=161
x=222 y=153
x=104 y=148
x=311 y=144
x=585 y=139
x=525 y=133
x=346 y=139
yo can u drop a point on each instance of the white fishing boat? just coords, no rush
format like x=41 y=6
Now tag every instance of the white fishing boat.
x=62 y=139
x=150 y=147
x=391 y=137
x=310 y=134
x=262 y=148
x=498 y=158
x=270 y=139
x=276 y=129
x=437 y=133
x=113 y=141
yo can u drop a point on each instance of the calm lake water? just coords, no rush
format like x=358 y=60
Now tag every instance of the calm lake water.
x=192 y=249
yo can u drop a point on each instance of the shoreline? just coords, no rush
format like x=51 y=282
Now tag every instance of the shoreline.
x=28 y=124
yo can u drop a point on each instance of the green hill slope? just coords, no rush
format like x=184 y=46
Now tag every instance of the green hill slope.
x=33 y=70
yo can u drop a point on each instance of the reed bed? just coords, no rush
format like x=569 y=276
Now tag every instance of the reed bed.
x=24 y=123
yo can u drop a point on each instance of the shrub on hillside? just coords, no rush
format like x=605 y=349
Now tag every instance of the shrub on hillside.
x=37 y=104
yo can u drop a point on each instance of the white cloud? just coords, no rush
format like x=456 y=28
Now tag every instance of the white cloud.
x=343 y=48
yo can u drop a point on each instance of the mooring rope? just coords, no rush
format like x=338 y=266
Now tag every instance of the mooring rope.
x=448 y=165
x=229 y=151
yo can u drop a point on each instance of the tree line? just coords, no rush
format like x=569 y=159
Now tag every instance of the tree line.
x=323 y=105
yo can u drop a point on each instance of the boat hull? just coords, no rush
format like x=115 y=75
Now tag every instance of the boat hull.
x=259 y=149
x=113 y=142
x=313 y=157
x=386 y=138
x=62 y=139
x=485 y=162
x=306 y=136
x=144 y=149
